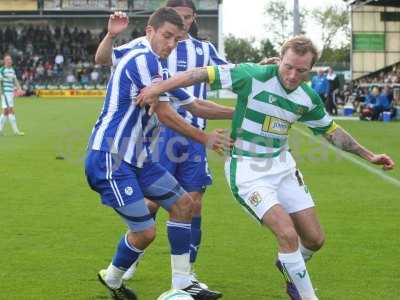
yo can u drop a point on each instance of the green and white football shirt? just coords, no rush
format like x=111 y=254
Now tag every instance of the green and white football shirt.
x=7 y=78
x=265 y=110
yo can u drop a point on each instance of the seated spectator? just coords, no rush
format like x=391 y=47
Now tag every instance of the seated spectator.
x=367 y=108
x=376 y=102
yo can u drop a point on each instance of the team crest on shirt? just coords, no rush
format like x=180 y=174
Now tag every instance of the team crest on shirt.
x=129 y=191
x=272 y=99
x=255 y=199
x=199 y=51
x=301 y=110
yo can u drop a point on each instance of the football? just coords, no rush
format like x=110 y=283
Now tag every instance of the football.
x=175 y=295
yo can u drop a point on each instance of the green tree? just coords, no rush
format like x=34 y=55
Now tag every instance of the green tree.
x=339 y=58
x=267 y=49
x=334 y=23
x=280 y=21
x=241 y=50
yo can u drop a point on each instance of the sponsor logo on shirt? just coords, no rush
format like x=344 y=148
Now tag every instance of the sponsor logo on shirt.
x=275 y=125
x=181 y=64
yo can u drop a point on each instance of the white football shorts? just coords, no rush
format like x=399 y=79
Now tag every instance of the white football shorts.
x=7 y=100
x=260 y=183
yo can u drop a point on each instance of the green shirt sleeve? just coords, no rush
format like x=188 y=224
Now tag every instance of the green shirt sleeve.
x=238 y=78
x=317 y=119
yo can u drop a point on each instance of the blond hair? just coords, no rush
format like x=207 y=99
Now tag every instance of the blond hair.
x=301 y=45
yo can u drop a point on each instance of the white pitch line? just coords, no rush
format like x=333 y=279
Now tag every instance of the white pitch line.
x=351 y=158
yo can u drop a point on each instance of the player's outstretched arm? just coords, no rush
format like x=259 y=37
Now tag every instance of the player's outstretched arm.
x=209 y=110
x=150 y=94
x=341 y=139
x=217 y=140
x=117 y=23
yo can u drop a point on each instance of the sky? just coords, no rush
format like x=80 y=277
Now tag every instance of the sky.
x=249 y=20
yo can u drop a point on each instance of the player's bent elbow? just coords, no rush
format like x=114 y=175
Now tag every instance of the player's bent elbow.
x=99 y=60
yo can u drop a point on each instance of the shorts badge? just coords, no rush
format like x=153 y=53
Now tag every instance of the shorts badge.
x=129 y=191
x=255 y=199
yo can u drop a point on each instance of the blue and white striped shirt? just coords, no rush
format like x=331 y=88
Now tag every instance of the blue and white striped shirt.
x=124 y=128
x=188 y=54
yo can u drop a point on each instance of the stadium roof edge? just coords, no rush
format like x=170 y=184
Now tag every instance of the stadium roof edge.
x=395 y=3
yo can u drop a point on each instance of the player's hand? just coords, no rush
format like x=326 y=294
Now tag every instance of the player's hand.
x=270 y=61
x=148 y=96
x=19 y=92
x=219 y=141
x=383 y=159
x=117 y=23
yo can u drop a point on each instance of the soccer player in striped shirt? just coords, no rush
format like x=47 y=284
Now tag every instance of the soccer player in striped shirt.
x=8 y=85
x=192 y=173
x=260 y=171
x=119 y=165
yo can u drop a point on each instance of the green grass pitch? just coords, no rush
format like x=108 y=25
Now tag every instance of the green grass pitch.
x=55 y=235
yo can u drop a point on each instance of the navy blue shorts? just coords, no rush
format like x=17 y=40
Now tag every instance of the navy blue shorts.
x=184 y=158
x=121 y=184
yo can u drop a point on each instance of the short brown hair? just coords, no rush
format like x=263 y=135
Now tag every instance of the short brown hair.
x=165 y=14
x=301 y=45
x=181 y=3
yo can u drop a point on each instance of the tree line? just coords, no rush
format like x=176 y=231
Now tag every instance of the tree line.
x=332 y=20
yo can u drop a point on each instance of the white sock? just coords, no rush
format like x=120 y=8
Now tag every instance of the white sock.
x=132 y=270
x=306 y=253
x=13 y=122
x=295 y=268
x=3 y=120
x=114 y=276
x=180 y=265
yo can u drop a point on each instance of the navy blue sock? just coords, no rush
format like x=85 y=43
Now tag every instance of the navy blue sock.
x=195 y=238
x=126 y=254
x=179 y=237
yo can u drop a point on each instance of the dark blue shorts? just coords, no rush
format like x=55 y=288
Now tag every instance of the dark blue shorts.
x=184 y=158
x=120 y=184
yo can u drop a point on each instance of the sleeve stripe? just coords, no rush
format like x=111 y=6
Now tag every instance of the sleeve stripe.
x=211 y=74
x=332 y=128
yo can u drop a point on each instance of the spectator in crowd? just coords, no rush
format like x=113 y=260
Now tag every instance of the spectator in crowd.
x=45 y=54
x=320 y=84
x=333 y=81
x=94 y=75
x=376 y=102
x=40 y=71
x=70 y=78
